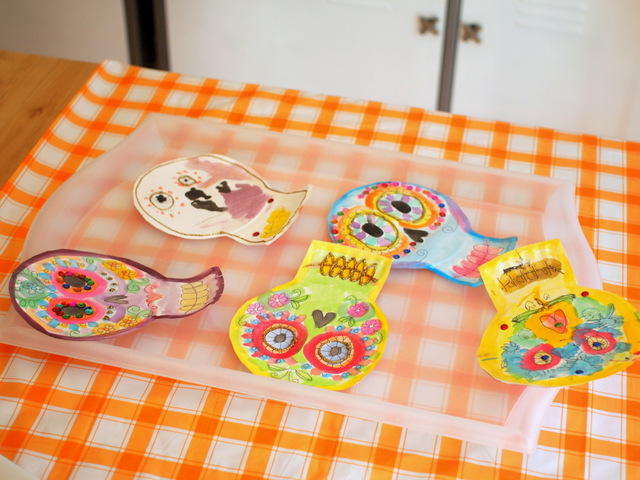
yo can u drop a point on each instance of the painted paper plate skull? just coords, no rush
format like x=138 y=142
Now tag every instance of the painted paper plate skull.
x=416 y=227
x=323 y=328
x=549 y=331
x=77 y=295
x=207 y=196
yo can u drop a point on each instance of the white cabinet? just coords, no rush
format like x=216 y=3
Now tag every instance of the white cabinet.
x=88 y=30
x=363 y=49
x=566 y=64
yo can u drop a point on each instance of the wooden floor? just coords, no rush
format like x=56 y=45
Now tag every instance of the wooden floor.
x=33 y=91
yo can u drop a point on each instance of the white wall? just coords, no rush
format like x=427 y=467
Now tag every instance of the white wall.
x=89 y=30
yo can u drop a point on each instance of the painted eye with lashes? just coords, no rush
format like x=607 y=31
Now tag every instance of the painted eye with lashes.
x=161 y=200
x=186 y=180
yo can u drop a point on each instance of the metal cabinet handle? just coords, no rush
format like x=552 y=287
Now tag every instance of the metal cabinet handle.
x=470 y=32
x=427 y=25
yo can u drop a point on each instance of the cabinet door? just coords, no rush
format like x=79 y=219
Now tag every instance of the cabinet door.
x=566 y=64
x=368 y=49
x=89 y=30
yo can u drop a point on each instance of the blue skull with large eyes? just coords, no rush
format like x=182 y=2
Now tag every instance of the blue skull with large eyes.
x=415 y=226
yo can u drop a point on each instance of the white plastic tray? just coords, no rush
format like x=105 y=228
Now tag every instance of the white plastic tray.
x=428 y=379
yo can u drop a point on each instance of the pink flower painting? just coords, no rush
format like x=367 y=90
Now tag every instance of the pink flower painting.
x=278 y=300
x=371 y=326
x=255 y=309
x=358 y=310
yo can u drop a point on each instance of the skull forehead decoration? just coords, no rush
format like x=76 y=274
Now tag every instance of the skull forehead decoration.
x=207 y=196
x=416 y=227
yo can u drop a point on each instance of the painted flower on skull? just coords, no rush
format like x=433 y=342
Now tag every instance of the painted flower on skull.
x=358 y=310
x=278 y=300
x=207 y=196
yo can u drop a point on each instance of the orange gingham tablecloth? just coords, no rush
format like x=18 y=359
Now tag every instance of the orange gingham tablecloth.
x=65 y=418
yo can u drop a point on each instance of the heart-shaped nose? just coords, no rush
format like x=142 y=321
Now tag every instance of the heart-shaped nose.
x=322 y=319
